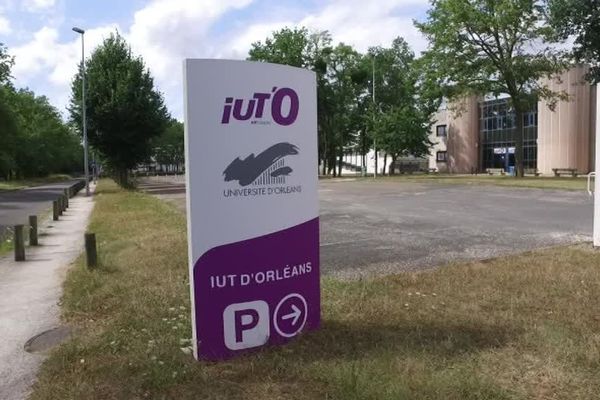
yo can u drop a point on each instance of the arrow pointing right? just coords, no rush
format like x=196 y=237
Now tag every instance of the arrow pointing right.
x=294 y=314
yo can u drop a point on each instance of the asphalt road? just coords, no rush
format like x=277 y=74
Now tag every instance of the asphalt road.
x=374 y=228
x=17 y=205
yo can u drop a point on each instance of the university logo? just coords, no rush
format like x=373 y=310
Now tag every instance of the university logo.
x=254 y=109
x=266 y=168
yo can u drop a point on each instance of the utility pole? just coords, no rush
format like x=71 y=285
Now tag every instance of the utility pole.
x=84 y=122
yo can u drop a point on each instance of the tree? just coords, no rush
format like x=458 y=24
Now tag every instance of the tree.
x=6 y=64
x=300 y=48
x=401 y=118
x=485 y=47
x=168 y=148
x=124 y=110
x=348 y=84
x=581 y=19
x=8 y=128
x=34 y=140
x=45 y=143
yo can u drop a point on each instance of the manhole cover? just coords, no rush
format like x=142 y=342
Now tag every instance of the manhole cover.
x=48 y=339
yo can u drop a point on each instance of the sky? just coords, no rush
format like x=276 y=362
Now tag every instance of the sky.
x=165 y=32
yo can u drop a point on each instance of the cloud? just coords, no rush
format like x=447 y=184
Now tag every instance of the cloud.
x=38 y=5
x=5 y=28
x=57 y=61
x=164 y=32
x=363 y=24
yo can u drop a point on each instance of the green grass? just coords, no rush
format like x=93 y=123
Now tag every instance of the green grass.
x=567 y=183
x=25 y=183
x=6 y=245
x=6 y=240
x=520 y=327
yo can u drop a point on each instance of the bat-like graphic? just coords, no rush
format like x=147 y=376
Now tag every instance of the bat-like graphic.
x=246 y=171
x=283 y=171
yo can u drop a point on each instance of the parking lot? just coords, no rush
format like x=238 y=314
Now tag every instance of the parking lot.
x=381 y=227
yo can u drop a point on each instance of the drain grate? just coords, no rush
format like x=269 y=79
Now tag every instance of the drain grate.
x=48 y=339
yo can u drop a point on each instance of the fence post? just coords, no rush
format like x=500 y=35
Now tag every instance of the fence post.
x=55 y=210
x=90 y=250
x=33 y=230
x=66 y=192
x=61 y=206
x=19 y=243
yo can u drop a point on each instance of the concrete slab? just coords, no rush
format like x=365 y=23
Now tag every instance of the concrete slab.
x=30 y=292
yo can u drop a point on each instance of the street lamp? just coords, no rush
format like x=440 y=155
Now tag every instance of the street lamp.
x=374 y=138
x=84 y=123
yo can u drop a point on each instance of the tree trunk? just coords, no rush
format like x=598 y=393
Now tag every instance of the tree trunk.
x=340 y=161
x=375 y=152
x=519 y=166
x=123 y=178
x=393 y=165
x=384 y=162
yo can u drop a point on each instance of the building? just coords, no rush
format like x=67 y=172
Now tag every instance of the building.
x=476 y=134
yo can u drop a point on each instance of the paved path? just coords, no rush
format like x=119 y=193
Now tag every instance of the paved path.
x=17 y=205
x=380 y=227
x=30 y=291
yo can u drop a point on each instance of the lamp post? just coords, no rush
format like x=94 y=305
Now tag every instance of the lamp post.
x=84 y=123
x=374 y=138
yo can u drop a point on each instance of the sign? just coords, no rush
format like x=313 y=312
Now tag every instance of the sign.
x=252 y=204
x=502 y=150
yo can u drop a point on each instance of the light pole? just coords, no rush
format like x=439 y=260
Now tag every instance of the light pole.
x=84 y=123
x=374 y=138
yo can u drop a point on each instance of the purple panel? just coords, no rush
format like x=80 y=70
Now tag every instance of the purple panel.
x=257 y=292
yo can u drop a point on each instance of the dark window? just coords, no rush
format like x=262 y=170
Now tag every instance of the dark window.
x=441 y=130
x=441 y=156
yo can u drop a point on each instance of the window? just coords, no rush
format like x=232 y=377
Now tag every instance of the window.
x=441 y=156
x=441 y=130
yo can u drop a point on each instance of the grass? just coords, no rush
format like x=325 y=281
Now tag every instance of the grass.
x=6 y=244
x=566 y=183
x=520 y=327
x=7 y=236
x=25 y=183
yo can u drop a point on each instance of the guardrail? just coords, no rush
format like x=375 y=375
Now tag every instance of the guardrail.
x=589 y=182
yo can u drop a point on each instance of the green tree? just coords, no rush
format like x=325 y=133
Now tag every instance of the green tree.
x=487 y=47
x=581 y=19
x=124 y=110
x=298 y=47
x=45 y=144
x=168 y=148
x=348 y=81
x=34 y=139
x=6 y=64
x=8 y=127
x=401 y=118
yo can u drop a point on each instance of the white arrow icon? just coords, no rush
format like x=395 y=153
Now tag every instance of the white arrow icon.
x=294 y=314
x=297 y=316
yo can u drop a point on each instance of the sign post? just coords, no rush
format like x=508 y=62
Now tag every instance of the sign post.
x=253 y=227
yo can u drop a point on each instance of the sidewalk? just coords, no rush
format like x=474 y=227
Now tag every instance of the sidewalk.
x=30 y=292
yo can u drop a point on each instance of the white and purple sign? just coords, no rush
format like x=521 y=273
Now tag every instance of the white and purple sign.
x=253 y=226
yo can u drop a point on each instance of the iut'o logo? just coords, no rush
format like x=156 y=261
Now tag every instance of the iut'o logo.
x=243 y=110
